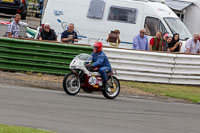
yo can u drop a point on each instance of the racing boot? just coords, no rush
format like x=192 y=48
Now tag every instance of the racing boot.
x=104 y=86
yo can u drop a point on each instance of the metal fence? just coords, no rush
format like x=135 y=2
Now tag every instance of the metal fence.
x=54 y=58
x=155 y=67
x=37 y=56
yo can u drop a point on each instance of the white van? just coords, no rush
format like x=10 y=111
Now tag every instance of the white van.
x=94 y=19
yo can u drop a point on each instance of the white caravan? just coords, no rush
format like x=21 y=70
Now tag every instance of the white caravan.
x=94 y=19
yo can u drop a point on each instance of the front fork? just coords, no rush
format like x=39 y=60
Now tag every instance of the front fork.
x=77 y=73
x=111 y=77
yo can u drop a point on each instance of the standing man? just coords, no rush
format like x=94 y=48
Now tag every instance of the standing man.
x=156 y=43
x=69 y=36
x=140 y=42
x=193 y=45
x=13 y=28
x=47 y=33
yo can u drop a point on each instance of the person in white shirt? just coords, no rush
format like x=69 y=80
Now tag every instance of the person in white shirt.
x=193 y=45
x=13 y=28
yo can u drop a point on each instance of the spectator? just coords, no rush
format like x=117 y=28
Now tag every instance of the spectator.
x=166 y=40
x=13 y=28
x=69 y=36
x=140 y=42
x=193 y=45
x=156 y=43
x=47 y=33
x=165 y=37
x=175 y=45
x=113 y=38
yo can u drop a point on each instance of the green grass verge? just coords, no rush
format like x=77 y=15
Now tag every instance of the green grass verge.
x=17 y=129
x=190 y=93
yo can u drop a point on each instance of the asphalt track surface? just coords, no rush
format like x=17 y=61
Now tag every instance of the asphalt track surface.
x=89 y=113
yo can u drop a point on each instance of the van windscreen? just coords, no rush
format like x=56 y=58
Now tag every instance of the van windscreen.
x=177 y=26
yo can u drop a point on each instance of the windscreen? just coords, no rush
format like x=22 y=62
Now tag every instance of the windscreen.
x=177 y=26
x=85 y=57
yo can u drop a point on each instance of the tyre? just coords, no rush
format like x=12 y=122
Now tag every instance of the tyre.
x=24 y=13
x=113 y=90
x=23 y=16
x=71 y=84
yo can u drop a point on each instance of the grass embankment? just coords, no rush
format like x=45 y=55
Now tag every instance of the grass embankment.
x=16 y=129
x=190 y=93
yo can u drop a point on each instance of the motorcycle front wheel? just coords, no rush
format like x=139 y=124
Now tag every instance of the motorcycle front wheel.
x=113 y=89
x=71 y=84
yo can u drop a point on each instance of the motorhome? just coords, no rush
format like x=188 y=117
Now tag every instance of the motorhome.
x=188 y=11
x=94 y=19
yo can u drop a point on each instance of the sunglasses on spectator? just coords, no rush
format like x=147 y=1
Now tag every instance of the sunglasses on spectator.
x=46 y=27
x=141 y=32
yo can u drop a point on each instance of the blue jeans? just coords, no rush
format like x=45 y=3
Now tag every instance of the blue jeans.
x=102 y=71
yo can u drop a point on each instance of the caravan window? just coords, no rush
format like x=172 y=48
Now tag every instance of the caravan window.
x=153 y=25
x=121 y=14
x=96 y=9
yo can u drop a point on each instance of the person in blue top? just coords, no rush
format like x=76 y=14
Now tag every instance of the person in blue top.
x=140 y=42
x=100 y=60
x=69 y=36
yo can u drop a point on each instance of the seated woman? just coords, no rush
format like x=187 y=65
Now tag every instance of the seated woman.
x=113 y=38
x=167 y=40
x=175 y=45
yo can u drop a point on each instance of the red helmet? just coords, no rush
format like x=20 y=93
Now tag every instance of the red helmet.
x=98 y=45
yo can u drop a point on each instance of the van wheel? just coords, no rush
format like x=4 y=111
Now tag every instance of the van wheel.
x=24 y=13
x=23 y=16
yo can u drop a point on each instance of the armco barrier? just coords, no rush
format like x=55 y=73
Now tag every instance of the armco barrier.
x=186 y=70
x=155 y=67
x=54 y=58
x=37 y=56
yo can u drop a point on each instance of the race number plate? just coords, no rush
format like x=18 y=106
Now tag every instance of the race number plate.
x=8 y=1
x=92 y=81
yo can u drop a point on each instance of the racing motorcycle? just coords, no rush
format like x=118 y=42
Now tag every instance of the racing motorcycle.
x=82 y=77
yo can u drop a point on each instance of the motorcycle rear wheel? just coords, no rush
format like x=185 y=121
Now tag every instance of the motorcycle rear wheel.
x=113 y=90
x=71 y=84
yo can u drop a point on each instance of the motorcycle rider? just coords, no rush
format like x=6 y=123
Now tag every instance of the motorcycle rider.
x=100 y=60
